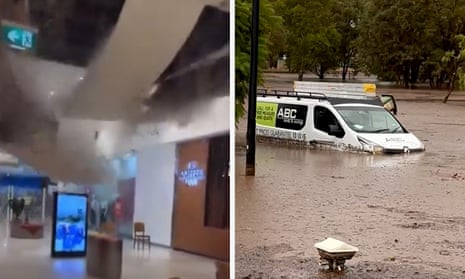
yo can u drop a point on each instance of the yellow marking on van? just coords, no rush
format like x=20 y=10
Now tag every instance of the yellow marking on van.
x=266 y=114
x=369 y=88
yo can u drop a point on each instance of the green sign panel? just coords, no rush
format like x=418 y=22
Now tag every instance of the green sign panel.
x=266 y=114
x=19 y=37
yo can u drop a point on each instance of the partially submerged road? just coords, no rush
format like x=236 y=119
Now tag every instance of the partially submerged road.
x=406 y=214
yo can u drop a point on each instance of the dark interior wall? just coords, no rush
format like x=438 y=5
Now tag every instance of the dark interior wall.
x=190 y=232
x=217 y=192
x=13 y=10
x=70 y=31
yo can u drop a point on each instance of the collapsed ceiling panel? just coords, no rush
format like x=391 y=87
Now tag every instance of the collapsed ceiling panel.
x=164 y=54
x=163 y=67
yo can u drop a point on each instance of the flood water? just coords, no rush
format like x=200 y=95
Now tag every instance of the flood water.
x=406 y=214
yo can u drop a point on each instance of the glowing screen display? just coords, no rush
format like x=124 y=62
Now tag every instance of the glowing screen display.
x=70 y=225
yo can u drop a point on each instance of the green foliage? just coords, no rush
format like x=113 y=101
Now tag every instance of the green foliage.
x=393 y=39
x=312 y=37
x=457 y=60
x=398 y=40
x=407 y=41
x=404 y=40
x=268 y=22
x=447 y=21
x=460 y=58
x=317 y=35
x=346 y=16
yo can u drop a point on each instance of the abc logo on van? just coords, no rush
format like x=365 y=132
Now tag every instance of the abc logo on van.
x=287 y=116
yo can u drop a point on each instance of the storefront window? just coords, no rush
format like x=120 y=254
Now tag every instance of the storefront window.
x=22 y=198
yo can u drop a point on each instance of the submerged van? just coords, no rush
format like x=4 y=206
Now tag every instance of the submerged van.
x=344 y=116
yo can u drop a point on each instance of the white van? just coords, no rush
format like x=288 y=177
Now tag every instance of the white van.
x=344 y=116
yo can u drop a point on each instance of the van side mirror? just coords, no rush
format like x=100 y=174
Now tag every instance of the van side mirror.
x=336 y=130
x=389 y=103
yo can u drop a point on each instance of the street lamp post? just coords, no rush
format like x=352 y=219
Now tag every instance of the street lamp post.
x=252 y=98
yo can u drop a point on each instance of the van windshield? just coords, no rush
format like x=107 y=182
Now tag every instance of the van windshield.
x=363 y=119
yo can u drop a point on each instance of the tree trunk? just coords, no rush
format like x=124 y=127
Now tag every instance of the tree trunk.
x=451 y=88
x=446 y=98
x=406 y=77
x=270 y=62
x=321 y=72
x=406 y=83
x=345 y=69
x=415 y=73
x=398 y=79
x=301 y=76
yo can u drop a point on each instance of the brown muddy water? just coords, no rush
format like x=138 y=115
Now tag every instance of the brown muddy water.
x=406 y=214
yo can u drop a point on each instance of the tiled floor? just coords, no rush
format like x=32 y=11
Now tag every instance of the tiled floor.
x=21 y=259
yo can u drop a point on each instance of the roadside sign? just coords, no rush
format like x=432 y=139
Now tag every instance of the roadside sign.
x=19 y=37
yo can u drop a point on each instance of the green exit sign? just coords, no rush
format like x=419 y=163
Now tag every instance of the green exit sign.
x=18 y=36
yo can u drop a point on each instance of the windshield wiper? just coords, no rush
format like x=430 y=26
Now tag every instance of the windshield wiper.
x=387 y=131
x=381 y=130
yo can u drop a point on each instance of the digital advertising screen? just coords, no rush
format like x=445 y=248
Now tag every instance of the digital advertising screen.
x=69 y=233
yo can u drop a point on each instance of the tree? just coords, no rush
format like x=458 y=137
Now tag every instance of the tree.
x=268 y=22
x=446 y=22
x=277 y=45
x=346 y=15
x=457 y=60
x=312 y=38
x=395 y=40
x=404 y=41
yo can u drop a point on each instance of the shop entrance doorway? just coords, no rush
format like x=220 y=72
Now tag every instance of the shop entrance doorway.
x=201 y=204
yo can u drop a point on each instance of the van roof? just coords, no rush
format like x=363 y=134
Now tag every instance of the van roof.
x=357 y=105
x=308 y=96
x=375 y=101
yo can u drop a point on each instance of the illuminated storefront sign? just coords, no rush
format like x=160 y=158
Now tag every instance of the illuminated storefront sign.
x=192 y=174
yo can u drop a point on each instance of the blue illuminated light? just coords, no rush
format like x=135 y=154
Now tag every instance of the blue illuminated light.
x=192 y=175
x=18 y=37
x=71 y=228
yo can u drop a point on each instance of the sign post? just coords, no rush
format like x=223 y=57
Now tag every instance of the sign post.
x=18 y=36
x=252 y=98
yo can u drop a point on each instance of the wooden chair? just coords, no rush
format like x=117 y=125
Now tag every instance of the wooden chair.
x=140 y=236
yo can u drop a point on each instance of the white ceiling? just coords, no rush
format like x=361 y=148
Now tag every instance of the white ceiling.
x=111 y=88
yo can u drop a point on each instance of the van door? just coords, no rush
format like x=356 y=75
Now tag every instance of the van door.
x=326 y=128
